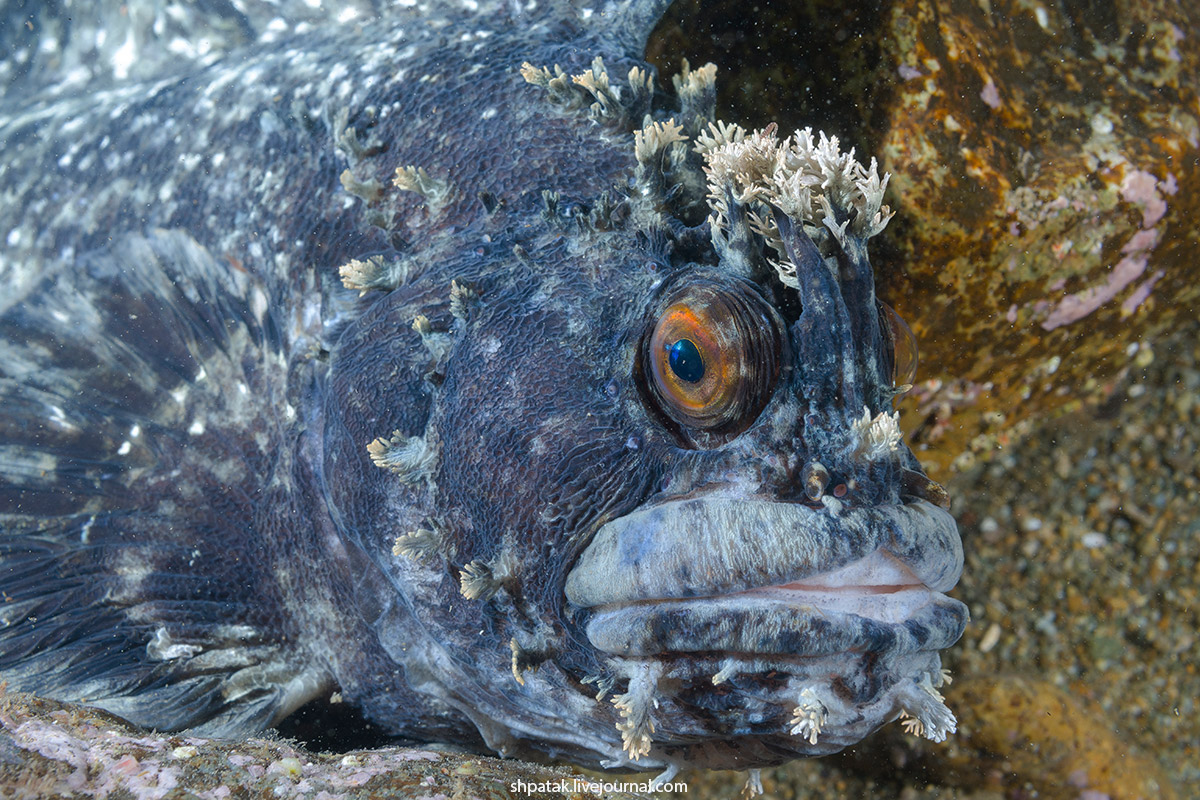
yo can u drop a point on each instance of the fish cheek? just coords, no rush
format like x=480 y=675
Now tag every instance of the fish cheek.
x=376 y=385
x=532 y=451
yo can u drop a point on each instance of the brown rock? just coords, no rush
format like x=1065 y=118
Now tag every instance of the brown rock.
x=1044 y=170
x=1017 y=733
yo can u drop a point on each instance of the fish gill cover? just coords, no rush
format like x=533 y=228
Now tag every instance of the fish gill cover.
x=441 y=359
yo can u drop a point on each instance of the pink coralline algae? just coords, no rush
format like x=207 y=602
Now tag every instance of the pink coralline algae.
x=990 y=95
x=1079 y=305
x=1142 y=189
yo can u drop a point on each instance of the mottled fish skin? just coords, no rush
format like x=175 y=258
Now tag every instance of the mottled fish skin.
x=328 y=366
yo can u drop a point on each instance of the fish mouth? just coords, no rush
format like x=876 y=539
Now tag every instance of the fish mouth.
x=763 y=577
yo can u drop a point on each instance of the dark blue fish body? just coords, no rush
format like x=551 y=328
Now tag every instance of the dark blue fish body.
x=440 y=360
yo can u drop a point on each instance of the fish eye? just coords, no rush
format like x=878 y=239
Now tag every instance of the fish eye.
x=902 y=346
x=711 y=359
x=685 y=361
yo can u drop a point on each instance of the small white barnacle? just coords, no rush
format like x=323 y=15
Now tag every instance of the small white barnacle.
x=878 y=436
x=374 y=272
x=162 y=647
x=436 y=191
x=476 y=581
x=697 y=93
x=729 y=668
x=924 y=711
x=809 y=716
x=417 y=544
x=462 y=297
x=410 y=457
x=369 y=190
x=651 y=142
x=518 y=665
x=437 y=343
x=635 y=705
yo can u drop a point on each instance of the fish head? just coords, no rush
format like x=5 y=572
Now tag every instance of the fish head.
x=782 y=592
x=650 y=504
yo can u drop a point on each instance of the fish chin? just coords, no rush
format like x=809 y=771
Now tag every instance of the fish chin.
x=805 y=628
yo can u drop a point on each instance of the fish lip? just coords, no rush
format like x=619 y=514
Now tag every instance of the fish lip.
x=716 y=545
x=748 y=625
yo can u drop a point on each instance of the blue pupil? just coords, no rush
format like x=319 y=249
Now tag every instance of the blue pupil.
x=685 y=361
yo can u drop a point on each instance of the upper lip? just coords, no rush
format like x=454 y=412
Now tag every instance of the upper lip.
x=717 y=545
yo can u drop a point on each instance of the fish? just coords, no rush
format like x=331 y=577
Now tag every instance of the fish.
x=437 y=357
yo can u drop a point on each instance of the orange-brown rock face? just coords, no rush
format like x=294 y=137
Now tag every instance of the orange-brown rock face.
x=1044 y=169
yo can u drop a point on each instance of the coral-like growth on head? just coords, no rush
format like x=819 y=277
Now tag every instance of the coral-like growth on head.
x=808 y=180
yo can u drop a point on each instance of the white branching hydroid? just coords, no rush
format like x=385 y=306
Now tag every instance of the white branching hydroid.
x=878 y=436
x=925 y=712
x=409 y=457
x=809 y=180
x=809 y=716
x=635 y=705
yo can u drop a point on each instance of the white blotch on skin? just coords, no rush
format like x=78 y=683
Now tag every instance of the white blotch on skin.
x=196 y=428
x=258 y=304
x=124 y=57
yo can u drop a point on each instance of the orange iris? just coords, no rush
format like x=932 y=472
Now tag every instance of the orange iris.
x=712 y=359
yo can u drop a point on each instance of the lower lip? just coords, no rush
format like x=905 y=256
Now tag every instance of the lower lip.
x=783 y=621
